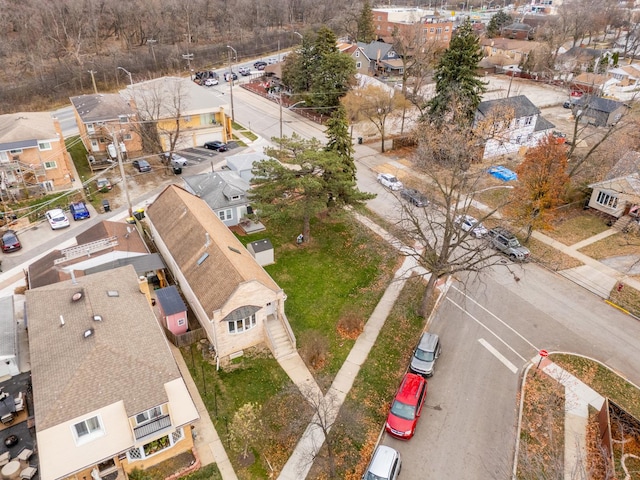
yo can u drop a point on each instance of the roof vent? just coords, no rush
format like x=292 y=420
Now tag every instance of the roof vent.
x=112 y=293
x=76 y=296
x=204 y=256
x=97 y=318
x=88 y=333
x=61 y=321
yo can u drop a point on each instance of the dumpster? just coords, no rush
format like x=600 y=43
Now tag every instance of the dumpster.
x=106 y=206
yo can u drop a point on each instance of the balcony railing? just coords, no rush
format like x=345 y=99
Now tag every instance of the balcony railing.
x=159 y=423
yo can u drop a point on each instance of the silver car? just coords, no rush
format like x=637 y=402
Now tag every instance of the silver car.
x=385 y=464
x=425 y=355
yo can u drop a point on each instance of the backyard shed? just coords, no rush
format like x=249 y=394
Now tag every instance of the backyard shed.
x=173 y=311
x=262 y=251
x=8 y=339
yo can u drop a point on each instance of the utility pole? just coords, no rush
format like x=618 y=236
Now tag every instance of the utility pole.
x=116 y=145
x=233 y=118
x=150 y=42
x=280 y=102
x=93 y=80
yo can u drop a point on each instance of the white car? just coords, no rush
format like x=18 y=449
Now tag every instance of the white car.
x=176 y=159
x=470 y=224
x=210 y=82
x=389 y=181
x=57 y=218
x=385 y=464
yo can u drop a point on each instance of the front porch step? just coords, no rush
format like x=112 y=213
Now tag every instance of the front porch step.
x=281 y=343
x=622 y=223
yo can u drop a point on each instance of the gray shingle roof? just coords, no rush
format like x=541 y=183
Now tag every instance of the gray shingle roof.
x=522 y=106
x=629 y=164
x=543 y=124
x=73 y=375
x=218 y=189
x=600 y=104
x=7 y=327
x=261 y=245
x=101 y=107
x=142 y=264
x=170 y=299
x=375 y=50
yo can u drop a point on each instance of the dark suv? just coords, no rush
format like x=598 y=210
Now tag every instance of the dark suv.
x=507 y=243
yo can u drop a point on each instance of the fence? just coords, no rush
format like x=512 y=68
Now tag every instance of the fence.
x=187 y=338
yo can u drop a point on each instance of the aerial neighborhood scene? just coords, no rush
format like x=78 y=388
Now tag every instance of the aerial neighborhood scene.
x=320 y=240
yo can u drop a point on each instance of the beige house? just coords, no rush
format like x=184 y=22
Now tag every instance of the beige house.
x=618 y=195
x=234 y=298
x=103 y=119
x=33 y=153
x=181 y=108
x=107 y=393
x=505 y=51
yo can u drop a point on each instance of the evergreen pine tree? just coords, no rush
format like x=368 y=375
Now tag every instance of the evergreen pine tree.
x=340 y=140
x=458 y=84
x=496 y=23
x=366 y=28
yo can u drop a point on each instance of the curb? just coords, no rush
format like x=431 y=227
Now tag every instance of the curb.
x=519 y=427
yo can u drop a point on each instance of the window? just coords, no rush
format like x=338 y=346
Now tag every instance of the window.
x=446 y=29
x=44 y=146
x=187 y=118
x=607 y=200
x=148 y=415
x=358 y=64
x=528 y=120
x=91 y=128
x=123 y=119
x=126 y=137
x=439 y=30
x=50 y=165
x=225 y=214
x=357 y=53
x=87 y=430
x=239 y=326
x=432 y=30
x=17 y=151
x=181 y=322
x=378 y=27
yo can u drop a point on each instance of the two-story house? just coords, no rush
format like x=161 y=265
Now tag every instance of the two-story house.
x=234 y=298
x=225 y=193
x=104 y=119
x=33 y=153
x=183 y=112
x=509 y=124
x=414 y=24
x=362 y=62
x=107 y=392
x=382 y=58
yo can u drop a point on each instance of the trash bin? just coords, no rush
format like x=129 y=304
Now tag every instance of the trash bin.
x=106 y=206
x=139 y=214
x=177 y=170
x=359 y=140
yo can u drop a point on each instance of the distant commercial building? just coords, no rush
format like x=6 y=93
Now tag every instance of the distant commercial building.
x=426 y=26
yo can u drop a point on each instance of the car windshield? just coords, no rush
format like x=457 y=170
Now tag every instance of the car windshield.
x=9 y=238
x=424 y=355
x=514 y=243
x=373 y=476
x=59 y=217
x=402 y=410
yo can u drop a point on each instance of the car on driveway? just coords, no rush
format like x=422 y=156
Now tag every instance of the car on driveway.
x=10 y=241
x=79 y=211
x=390 y=181
x=103 y=185
x=142 y=166
x=506 y=242
x=414 y=197
x=176 y=160
x=407 y=407
x=468 y=223
x=216 y=145
x=385 y=464
x=426 y=353
x=57 y=218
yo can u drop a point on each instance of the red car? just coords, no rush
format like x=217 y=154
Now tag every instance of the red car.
x=407 y=407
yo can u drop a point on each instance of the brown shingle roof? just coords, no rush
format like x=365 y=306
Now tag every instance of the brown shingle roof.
x=73 y=375
x=183 y=221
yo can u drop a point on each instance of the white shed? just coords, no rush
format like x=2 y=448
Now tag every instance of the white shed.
x=262 y=251
x=8 y=339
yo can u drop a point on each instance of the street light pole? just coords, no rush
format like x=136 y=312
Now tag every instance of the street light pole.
x=128 y=73
x=233 y=118
x=93 y=80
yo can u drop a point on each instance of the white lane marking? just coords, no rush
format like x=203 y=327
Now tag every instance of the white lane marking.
x=498 y=355
x=489 y=330
x=497 y=318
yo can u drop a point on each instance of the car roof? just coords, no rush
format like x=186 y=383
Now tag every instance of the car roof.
x=428 y=341
x=9 y=233
x=55 y=211
x=409 y=389
x=382 y=461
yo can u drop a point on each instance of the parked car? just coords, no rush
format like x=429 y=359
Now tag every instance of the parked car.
x=272 y=60
x=176 y=160
x=141 y=165
x=385 y=464
x=259 y=65
x=79 y=211
x=10 y=241
x=414 y=197
x=407 y=406
x=507 y=243
x=244 y=71
x=56 y=218
x=227 y=76
x=210 y=82
x=103 y=185
x=389 y=181
x=469 y=224
x=425 y=354
x=216 y=145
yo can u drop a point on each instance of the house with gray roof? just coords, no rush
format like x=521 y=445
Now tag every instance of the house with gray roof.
x=236 y=301
x=618 y=194
x=225 y=192
x=107 y=393
x=599 y=111
x=100 y=118
x=382 y=58
x=508 y=124
x=243 y=163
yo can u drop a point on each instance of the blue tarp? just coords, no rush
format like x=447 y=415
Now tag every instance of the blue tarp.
x=503 y=173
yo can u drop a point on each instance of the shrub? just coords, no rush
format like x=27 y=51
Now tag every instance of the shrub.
x=314 y=350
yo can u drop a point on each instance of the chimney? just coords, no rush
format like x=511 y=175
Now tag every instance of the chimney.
x=143 y=285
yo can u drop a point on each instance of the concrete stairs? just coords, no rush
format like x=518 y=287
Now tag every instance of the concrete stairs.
x=622 y=223
x=280 y=341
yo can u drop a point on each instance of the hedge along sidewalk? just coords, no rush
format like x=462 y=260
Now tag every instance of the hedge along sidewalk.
x=298 y=465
